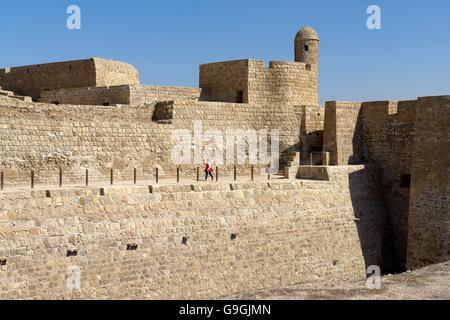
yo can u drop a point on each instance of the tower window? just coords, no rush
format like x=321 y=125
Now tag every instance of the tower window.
x=306 y=48
x=308 y=67
x=240 y=97
x=405 y=181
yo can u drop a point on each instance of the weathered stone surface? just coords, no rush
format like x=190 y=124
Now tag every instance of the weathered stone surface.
x=286 y=232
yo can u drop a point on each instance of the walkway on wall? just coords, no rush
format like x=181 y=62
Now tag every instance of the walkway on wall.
x=163 y=181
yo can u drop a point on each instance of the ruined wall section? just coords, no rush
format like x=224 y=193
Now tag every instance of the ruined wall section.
x=284 y=234
x=429 y=215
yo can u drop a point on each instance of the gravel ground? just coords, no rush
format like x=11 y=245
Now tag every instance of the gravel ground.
x=432 y=282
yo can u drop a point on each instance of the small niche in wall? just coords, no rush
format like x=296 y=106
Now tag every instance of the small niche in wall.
x=308 y=67
x=55 y=102
x=240 y=97
x=405 y=181
x=132 y=247
x=102 y=191
x=72 y=253
x=233 y=236
x=3 y=262
x=106 y=104
x=184 y=240
x=48 y=194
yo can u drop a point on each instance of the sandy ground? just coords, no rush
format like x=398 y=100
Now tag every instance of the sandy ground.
x=432 y=282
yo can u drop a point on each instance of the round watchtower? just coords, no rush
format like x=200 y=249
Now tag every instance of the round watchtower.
x=307 y=46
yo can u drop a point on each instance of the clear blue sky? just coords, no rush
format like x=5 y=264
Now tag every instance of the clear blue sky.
x=167 y=39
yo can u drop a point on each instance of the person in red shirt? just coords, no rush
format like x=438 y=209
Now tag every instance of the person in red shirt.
x=208 y=171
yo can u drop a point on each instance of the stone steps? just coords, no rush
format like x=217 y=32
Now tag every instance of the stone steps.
x=6 y=93
x=12 y=95
x=23 y=98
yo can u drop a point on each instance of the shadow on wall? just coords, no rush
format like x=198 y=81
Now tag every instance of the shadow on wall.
x=357 y=156
x=372 y=219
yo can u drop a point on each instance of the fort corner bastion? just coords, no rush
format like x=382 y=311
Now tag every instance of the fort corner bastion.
x=360 y=183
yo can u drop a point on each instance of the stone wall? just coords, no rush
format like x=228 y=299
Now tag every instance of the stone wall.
x=88 y=96
x=429 y=214
x=32 y=80
x=225 y=81
x=126 y=94
x=190 y=241
x=45 y=138
x=311 y=132
x=283 y=82
x=406 y=140
x=388 y=136
x=114 y=73
x=342 y=129
x=141 y=95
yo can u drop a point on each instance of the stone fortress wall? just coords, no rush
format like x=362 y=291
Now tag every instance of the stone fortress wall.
x=391 y=134
x=35 y=79
x=189 y=241
x=381 y=198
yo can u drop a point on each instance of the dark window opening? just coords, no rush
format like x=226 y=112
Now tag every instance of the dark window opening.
x=184 y=240
x=102 y=191
x=72 y=253
x=3 y=262
x=55 y=102
x=240 y=97
x=308 y=67
x=132 y=247
x=106 y=104
x=48 y=194
x=233 y=236
x=306 y=48
x=405 y=181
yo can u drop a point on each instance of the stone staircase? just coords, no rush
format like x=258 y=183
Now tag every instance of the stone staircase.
x=291 y=169
x=293 y=159
x=12 y=95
